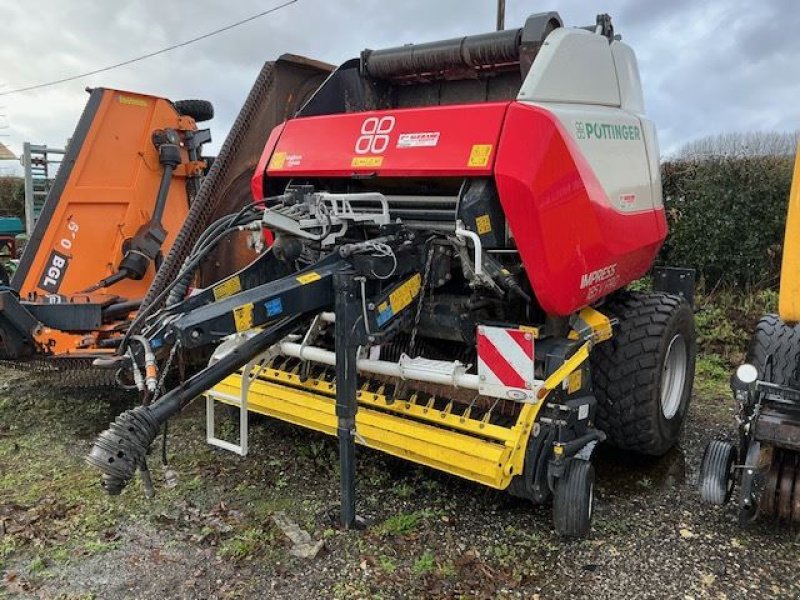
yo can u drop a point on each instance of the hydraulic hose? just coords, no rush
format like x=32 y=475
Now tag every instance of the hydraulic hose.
x=163 y=192
x=574 y=446
x=205 y=243
x=121 y=308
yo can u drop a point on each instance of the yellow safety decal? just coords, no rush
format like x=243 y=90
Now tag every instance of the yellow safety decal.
x=575 y=381
x=483 y=224
x=562 y=372
x=227 y=288
x=243 y=317
x=479 y=156
x=366 y=161
x=308 y=277
x=534 y=331
x=132 y=101
x=383 y=306
x=277 y=161
x=405 y=294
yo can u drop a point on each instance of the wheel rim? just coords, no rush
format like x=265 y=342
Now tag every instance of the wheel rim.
x=730 y=481
x=673 y=379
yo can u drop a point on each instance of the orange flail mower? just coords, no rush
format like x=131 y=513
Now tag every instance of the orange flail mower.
x=129 y=174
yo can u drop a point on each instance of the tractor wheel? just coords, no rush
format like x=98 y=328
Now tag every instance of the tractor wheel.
x=643 y=376
x=775 y=338
x=716 y=472
x=199 y=110
x=573 y=499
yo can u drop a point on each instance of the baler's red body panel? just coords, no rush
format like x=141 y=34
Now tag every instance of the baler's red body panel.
x=561 y=219
x=391 y=143
x=563 y=223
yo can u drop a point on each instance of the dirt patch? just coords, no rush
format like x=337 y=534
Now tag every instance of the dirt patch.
x=429 y=535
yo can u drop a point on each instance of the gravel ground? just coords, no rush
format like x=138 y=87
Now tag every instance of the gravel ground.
x=429 y=535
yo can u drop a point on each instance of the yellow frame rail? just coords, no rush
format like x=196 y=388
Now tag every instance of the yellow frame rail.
x=459 y=444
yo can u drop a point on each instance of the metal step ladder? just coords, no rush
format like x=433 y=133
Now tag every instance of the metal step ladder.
x=250 y=372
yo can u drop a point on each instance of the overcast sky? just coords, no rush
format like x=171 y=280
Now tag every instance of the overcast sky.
x=707 y=67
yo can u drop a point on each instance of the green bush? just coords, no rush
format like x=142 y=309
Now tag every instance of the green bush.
x=12 y=197
x=726 y=216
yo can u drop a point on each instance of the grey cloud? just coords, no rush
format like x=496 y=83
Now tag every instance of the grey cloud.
x=707 y=67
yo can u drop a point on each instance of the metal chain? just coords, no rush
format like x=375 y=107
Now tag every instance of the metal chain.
x=418 y=315
x=165 y=370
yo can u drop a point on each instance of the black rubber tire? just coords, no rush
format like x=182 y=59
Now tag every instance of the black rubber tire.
x=199 y=110
x=775 y=338
x=716 y=480
x=573 y=499
x=628 y=371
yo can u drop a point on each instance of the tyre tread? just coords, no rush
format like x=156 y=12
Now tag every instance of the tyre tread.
x=774 y=337
x=713 y=480
x=199 y=110
x=625 y=370
x=571 y=506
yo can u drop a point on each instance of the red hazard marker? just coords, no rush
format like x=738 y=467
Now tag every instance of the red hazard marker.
x=506 y=363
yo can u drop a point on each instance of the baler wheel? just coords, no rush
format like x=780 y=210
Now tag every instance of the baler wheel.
x=643 y=375
x=716 y=472
x=573 y=500
x=199 y=110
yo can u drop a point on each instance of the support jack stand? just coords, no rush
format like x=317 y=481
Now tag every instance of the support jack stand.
x=349 y=332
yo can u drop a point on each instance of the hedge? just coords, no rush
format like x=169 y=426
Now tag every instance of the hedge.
x=726 y=217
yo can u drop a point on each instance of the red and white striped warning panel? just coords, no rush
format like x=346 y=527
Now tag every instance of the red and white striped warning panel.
x=505 y=363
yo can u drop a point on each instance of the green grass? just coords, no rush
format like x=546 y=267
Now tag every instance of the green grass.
x=99 y=546
x=253 y=543
x=37 y=565
x=618 y=526
x=425 y=564
x=7 y=545
x=44 y=478
x=403 y=523
x=387 y=563
x=712 y=376
x=245 y=544
x=403 y=490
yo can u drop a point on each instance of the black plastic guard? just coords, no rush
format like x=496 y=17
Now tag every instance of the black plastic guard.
x=17 y=326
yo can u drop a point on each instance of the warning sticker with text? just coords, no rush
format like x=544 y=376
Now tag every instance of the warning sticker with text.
x=424 y=139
